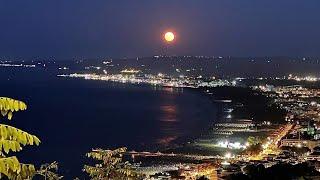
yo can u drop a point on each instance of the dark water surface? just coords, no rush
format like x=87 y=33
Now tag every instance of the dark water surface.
x=71 y=116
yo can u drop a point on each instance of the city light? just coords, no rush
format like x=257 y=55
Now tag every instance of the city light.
x=230 y=145
x=228 y=155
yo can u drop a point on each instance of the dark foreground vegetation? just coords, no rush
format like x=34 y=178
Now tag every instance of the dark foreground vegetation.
x=276 y=172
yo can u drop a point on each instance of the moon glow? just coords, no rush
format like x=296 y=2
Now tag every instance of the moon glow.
x=169 y=36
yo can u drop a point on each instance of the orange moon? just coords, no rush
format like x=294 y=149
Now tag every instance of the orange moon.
x=169 y=36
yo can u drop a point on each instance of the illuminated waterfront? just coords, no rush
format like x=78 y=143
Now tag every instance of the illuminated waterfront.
x=94 y=110
x=160 y=90
x=156 y=80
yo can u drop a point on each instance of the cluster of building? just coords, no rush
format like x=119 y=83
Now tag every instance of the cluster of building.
x=135 y=77
x=303 y=78
x=300 y=102
x=17 y=65
x=188 y=171
x=303 y=113
x=295 y=142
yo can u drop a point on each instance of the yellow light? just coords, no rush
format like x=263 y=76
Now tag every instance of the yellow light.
x=169 y=36
x=299 y=145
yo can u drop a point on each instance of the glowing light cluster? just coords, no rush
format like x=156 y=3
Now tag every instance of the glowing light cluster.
x=230 y=145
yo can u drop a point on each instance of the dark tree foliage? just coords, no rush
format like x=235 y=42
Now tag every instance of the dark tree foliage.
x=280 y=171
x=238 y=176
x=254 y=171
x=49 y=171
x=316 y=148
x=253 y=149
x=110 y=165
x=202 y=178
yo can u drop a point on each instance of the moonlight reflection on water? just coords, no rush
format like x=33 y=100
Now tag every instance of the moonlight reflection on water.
x=71 y=116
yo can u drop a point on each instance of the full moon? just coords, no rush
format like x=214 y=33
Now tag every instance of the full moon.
x=169 y=36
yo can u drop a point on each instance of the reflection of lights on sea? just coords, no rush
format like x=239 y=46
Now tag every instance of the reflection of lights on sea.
x=167 y=140
x=170 y=113
x=229 y=110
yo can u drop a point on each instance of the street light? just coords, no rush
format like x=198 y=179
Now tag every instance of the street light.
x=228 y=155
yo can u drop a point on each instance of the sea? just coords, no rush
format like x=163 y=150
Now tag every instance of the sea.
x=72 y=116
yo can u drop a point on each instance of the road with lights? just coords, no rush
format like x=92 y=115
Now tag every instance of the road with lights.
x=272 y=145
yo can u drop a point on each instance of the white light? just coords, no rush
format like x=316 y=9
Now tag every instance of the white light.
x=237 y=145
x=225 y=163
x=228 y=155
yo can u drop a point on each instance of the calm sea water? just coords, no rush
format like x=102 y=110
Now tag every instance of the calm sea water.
x=71 y=116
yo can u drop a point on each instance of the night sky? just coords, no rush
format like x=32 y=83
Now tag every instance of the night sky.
x=130 y=28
